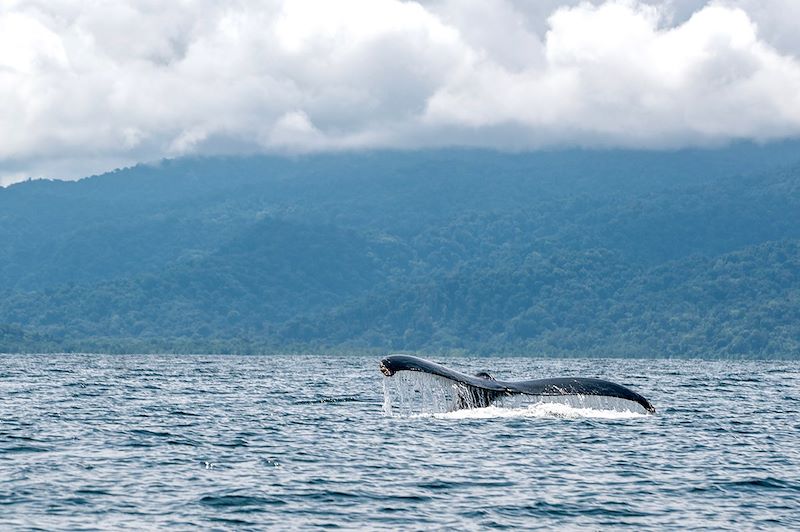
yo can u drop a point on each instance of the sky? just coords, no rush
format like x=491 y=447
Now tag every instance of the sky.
x=90 y=85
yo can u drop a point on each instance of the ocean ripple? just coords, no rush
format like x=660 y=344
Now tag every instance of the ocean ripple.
x=216 y=442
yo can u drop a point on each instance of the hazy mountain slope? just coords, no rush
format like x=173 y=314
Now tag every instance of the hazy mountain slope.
x=622 y=253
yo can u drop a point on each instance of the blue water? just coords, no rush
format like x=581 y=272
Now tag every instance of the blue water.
x=197 y=442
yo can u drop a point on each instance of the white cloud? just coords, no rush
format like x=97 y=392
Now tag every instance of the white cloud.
x=615 y=76
x=88 y=85
x=294 y=129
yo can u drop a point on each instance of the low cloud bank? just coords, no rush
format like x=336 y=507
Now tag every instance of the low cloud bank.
x=88 y=86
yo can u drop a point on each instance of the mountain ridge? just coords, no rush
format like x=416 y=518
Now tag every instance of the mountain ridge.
x=565 y=253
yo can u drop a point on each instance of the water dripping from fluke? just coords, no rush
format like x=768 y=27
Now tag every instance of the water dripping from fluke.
x=416 y=387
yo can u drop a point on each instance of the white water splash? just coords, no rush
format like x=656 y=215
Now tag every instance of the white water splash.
x=417 y=394
x=540 y=410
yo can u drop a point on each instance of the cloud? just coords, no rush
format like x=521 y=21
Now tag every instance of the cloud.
x=613 y=75
x=85 y=86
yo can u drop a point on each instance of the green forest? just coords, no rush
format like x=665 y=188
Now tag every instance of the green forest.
x=686 y=253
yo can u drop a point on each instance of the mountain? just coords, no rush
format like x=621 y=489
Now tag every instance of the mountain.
x=618 y=253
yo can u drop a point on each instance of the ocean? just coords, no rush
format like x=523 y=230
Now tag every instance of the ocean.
x=102 y=442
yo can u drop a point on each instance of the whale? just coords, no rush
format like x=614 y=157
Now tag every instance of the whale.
x=482 y=389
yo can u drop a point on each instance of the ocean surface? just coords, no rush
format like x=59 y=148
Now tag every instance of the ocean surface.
x=93 y=442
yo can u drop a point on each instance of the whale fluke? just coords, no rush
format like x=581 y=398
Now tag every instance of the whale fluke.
x=482 y=389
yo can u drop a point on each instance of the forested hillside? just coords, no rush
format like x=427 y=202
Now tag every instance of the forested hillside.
x=688 y=253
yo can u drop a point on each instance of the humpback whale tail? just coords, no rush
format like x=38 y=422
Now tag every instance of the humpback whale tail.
x=482 y=389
